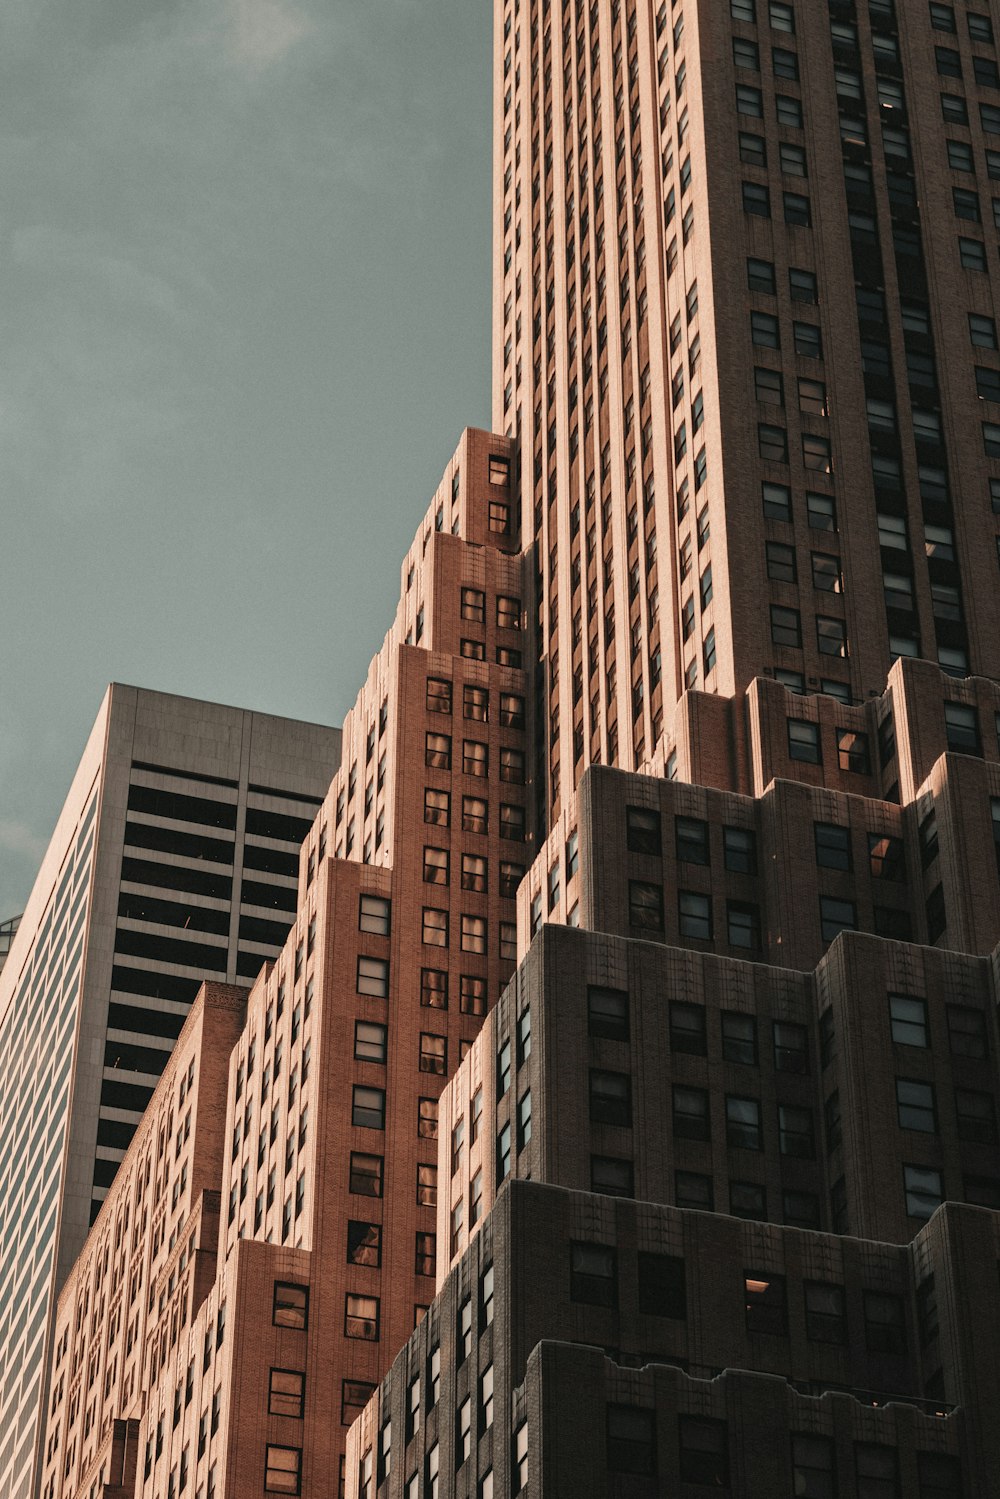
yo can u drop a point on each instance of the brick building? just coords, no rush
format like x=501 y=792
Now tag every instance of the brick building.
x=174 y=857
x=700 y=659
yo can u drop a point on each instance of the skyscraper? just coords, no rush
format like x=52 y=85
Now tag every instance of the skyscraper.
x=172 y=857
x=713 y=1190
x=744 y=331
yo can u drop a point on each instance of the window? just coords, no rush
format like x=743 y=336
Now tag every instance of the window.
x=508 y=612
x=786 y=627
x=433 y=1053
x=766 y=1307
x=833 y=845
x=611 y=1176
x=511 y=822
x=885 y=857
x=743 y=1123
x=687 y=1028
x=739 y=1038
x=791 y=1052
x=915 y=1107
x=808 y=340
x=962 y=729
x=435 y=927
x=475 y=758
x=374 y=915
x=642 y=831
x=940 y=1474
x=694 y=914
x=852 y=751
x=690 y=1114
x=475 y=814
x=803 y=286
x=756 y=199
x=966 y=1031
x=907 y=1021
x=803 y=742
x=826 y=1315
x=743 y=925
x=772 y=443
x=691 y=839
x=373 y=977
x=437 y=751
x=836 y=916
x=607 y=1013
x=593 y=1275
x=473 y=607
x=361 y=1317
x=795 y=1132
x=662 y=1288
x=749 y=101
x=610 y=1098
x=739 y=848
x=475 y=703
x=704 y=1451
x=764 y=330
x=795 y=205
x=366 y=1174
x=745 y=54
x=780 y=562
x=923 y=1190
x=813 y=1469
x=369 y=1041
x=971 y=254
x=426 y=1185
x=282 y=1470
x=434 y=988
x=760 y=276
x=885 y=1326
x=290 y=1306
x=286 y=1393
x=368 y=1108
x=645 y=906
x=821 y=512
x=438 y=695
x=631 y=1440
x=876 y=1471
x=473 y=932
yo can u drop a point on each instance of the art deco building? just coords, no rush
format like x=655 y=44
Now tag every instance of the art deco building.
x=744 y=329
x=713 y=1195
x=175 y=855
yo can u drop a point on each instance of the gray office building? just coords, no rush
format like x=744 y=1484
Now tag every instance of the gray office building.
x=175 y=857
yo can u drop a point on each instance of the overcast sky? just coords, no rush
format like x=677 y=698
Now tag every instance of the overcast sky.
x=244 y=317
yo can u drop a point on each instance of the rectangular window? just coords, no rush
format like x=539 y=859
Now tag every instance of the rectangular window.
x=739 y=1038
x=282 y=1470
x=836 y=916
x=703 y=1452
x=438 y=695
x=433 y=1054
x=290 y=1305
x=743 y=1123
x=826 y=1315
x=607 y=1013
x=923 y=1191
x=690 y=1114
x=368 y=1108
x=766 y=1305
x=374 y=915
x=361 y=1317
x=366 y=1174
x=694 y=915
x=593 y=1275
x=373 y=977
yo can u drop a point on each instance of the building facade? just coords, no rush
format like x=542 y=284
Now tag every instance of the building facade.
x=176 y=854
x=743 y=314
x=404 y=937
x=666 y=828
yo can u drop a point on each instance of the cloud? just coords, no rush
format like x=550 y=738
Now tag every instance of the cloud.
x=18 y=838
x=261 y=32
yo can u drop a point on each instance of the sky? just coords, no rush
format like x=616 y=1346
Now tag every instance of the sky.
x=244 y=318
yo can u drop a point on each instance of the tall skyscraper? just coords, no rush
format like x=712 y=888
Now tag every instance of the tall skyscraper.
x=713 y=1194
x=744 y=332
x=175 y=855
